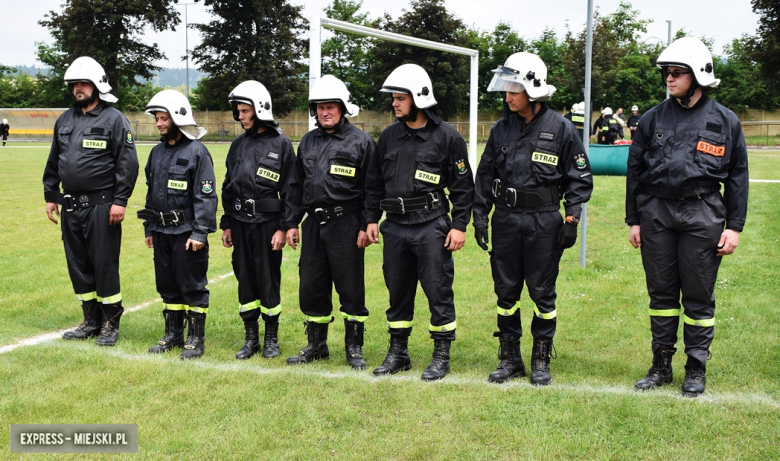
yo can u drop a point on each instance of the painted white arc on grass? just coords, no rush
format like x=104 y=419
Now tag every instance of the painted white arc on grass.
x=32 y=341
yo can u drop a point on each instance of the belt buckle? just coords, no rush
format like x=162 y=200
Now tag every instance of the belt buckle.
x=403 y=208
x=338 y=210
x=248 y=202
x=175 y=220
x=162 y=219
x=511 y=192
x=318 y=212
x=434 y=200
x=494 y=188
x=84 y=200
x=67 y=198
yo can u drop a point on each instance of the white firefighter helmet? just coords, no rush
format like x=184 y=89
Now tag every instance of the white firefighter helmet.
x=5 y=120
x=412 y=79
x=634 y=108
x=523 y=71
x=86 y=69
x=579 y=108
x=692 y=53
x=179 y=109
x=330 y=89
x=607 y=111
x=253 y=93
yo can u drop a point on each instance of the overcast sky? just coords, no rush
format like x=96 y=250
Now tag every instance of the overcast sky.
x=720 y=19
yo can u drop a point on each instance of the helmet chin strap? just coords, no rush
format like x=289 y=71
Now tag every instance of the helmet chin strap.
x=411 y=117
x=172 y=134
x=687 y=99
x=89 y=101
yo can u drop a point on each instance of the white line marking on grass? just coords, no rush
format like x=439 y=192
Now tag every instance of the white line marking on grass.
x=32 y=341
x=766 y=180
x=413 y=376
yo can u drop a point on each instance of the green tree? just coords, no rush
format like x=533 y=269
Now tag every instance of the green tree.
x=252 y=40
x=449 y=72
x=111 y=32
x=743 y=84
x=764 y=48
x=348 y=56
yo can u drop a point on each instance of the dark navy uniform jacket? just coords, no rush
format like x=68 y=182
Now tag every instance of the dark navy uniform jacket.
x=181 y=177
x=547 y=151
x=91 y=152
x=678 y=153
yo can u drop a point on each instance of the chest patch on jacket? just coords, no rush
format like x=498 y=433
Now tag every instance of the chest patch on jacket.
x=708 y=148
x=427 y=177
x=267 y=174
x=547 y=136
x=541 y=157
x=178 y=185
x=94 y=143
x=342 y=170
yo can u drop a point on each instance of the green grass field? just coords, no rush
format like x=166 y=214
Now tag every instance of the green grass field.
x=220 y=408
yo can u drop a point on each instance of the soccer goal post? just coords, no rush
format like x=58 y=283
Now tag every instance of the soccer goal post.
x=315 y=64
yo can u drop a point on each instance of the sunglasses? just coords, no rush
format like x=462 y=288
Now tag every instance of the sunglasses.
x=674 y=73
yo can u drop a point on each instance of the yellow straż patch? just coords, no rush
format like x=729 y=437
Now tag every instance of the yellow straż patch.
x=541 y=157
x=267 y=174
x=342 y=170
x=427 y=177
x=94 y=143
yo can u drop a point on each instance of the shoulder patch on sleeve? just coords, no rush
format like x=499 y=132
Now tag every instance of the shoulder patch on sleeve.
x=580 y=161
x=129 y=137
x=207 y=186
x=461 y=164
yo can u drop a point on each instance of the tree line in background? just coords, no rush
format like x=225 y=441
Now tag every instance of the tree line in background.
x=266 y=40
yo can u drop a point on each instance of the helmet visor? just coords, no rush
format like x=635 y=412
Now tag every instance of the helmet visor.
x=506 y=79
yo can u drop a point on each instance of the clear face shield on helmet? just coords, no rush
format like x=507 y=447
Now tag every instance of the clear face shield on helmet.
x=506 y=79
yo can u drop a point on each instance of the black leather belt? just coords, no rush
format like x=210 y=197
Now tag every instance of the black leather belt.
x=531 y=198
x=171 y=218
x=253 y=206
x=337 y=211
x=406 y=205
x=71 y=202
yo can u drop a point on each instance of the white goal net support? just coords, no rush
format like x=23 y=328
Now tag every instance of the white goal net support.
x=315 y=64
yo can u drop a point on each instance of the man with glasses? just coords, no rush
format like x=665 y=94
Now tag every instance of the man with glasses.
x=683 y=150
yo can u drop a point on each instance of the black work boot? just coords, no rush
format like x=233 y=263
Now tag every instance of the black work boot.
x=251 y=336
x=91 y=325
x=694 y=382
x=270 y=338
x=540 y=362
x=174 y=332
x=511 y=364
x=110 y=329
x=397 y=358
x=196 y=336
x=658 y=374
x=440 y=362
x=353 y=344
x=317 y=349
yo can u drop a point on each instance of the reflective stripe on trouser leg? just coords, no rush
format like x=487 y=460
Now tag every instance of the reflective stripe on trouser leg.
x=198 y=309
x=87 y=296
x=325 y=319
x=508 y=320
x=110 y=299
x=180 y=274
x=175 y=307
x=354 y=318
x=443 y=328
x=679 y=240
x=698 y=335
x=257 y=267
x=250 y=311
x=525 y=249
x=92 y=250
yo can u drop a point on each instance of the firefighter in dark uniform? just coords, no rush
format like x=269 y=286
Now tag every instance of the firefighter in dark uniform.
x=577 y=117
x=93 y=157
x=683 y=150
x=533 y=158
x=606 y=127
x=633 y=120
x=328 y=185
x=259 y=168
x=181 y=210
x=417 y=158
x=5 y=130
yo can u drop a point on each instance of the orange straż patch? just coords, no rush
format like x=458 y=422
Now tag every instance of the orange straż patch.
x=708 y=148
